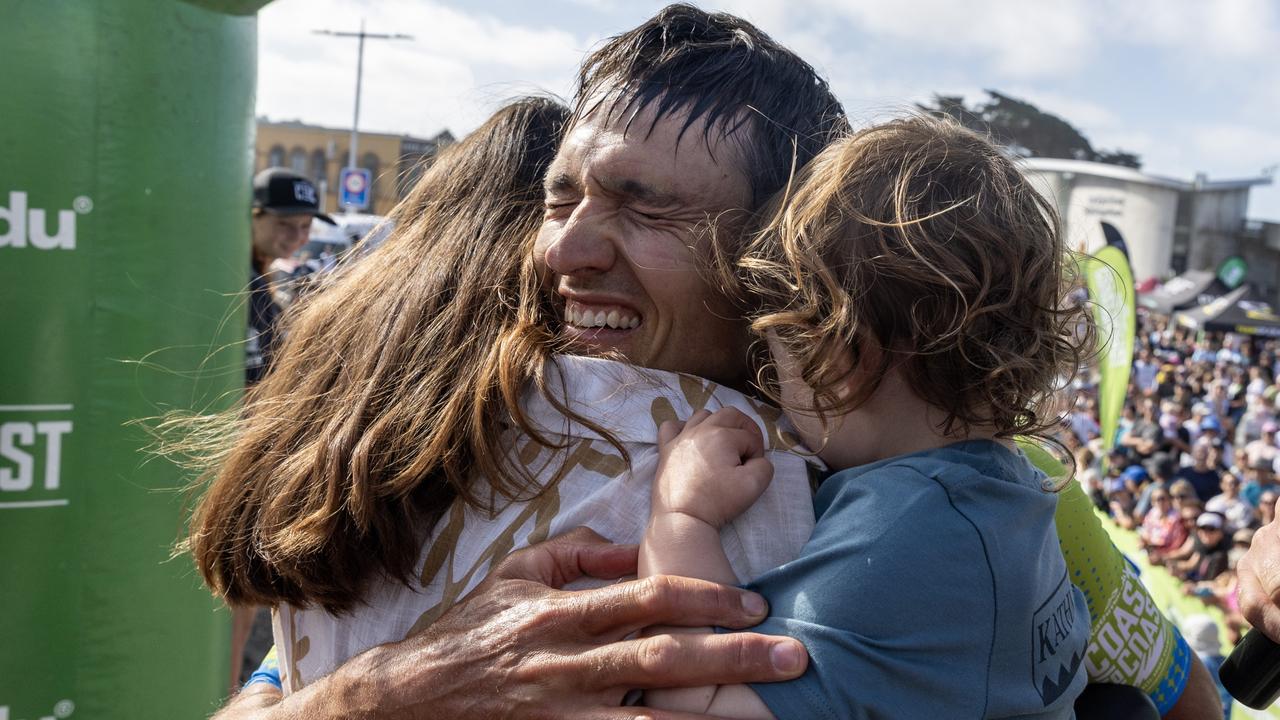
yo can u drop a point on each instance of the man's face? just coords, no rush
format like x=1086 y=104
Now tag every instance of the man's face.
x=279 y=236
x=627 y=215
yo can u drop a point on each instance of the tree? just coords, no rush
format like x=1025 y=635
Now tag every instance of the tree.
x=1025 y=129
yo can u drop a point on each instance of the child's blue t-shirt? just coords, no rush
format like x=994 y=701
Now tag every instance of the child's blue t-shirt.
x=933 y=587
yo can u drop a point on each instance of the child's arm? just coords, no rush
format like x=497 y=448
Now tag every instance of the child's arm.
x=711 y=470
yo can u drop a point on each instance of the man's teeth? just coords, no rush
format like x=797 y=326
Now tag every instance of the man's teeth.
x=599 y=318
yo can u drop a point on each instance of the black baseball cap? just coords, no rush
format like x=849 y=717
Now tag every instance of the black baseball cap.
x=281 y=191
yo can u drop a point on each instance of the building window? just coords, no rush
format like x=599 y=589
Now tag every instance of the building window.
x=319 y=168
x=370 y=162
x=275 y=158
x=298 y=161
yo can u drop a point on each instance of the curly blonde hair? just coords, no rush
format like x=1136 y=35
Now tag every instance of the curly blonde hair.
x=919 y=246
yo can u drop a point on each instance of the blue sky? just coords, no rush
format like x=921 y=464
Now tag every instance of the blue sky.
x=1191 y=86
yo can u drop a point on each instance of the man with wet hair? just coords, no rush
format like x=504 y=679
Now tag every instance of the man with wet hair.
x=692 y=117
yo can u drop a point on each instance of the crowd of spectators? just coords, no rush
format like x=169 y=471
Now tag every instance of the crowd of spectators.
x=1192 y=467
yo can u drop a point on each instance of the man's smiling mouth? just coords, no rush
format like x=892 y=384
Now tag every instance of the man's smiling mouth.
x=589 y=316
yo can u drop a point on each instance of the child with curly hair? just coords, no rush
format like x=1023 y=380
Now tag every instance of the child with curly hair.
x=911 y=288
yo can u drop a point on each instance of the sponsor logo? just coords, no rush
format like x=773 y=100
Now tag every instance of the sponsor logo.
x=21 y=226
x=1129 y=640
x=1057 y=646
x=32 y=438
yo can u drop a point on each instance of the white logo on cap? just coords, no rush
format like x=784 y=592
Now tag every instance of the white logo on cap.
x=305 y=191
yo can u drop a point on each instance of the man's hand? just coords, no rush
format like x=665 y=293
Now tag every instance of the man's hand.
x=1259 y=576
x=518 y=647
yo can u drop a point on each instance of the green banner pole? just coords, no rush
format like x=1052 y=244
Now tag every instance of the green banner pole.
x=1110 y=284
x=124 y=204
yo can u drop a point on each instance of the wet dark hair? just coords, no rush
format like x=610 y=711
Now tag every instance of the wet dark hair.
x=724 y=69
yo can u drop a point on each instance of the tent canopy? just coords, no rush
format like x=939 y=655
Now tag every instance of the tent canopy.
x=1233 y=312
x=1180 y=292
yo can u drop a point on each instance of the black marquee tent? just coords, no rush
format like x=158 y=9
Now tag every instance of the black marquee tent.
x=1233 y=312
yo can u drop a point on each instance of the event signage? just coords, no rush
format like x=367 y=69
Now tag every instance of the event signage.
x=1110 y=284
x=29 y=227
x=122 y=273
x=353 y=188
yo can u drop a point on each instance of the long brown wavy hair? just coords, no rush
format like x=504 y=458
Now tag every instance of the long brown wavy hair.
x=392 y=390
x=922 y=242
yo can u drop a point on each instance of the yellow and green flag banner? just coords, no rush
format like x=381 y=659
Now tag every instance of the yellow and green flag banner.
x=1110 y=284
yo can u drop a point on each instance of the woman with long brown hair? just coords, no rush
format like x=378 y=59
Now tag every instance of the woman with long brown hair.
x=418 y=424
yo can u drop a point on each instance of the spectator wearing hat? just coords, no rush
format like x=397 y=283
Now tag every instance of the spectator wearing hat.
x=1235 y=509
x=1199 y=411
x=1264 y=449
x=1223 y=592
x=1211 y=432
x=1208 y=553
x=1259 y=478
x=1201 y=634
x=284 y=203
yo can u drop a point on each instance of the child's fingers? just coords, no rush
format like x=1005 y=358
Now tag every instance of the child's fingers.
x=758 y=471
x=668 y=431
x=697 y=418
x=746 y=433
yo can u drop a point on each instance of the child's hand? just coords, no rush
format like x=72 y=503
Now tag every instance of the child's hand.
x=712 y=467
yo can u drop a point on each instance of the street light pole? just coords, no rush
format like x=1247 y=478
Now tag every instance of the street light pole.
x=360 y=36
x=355 y=121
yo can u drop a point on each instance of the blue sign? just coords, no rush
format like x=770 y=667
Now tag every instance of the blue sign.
x=353 y=188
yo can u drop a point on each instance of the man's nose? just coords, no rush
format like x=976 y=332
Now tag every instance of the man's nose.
x=584 y=244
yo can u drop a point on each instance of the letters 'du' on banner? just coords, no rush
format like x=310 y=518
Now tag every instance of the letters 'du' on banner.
x=1110 y=284
x=125 y=167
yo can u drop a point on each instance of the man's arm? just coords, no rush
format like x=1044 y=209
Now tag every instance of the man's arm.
x=517 y=646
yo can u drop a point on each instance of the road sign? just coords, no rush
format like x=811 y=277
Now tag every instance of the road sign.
x=353 y=188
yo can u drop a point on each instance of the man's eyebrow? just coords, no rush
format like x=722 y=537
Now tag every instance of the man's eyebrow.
x=636 y=190
x=559 y=182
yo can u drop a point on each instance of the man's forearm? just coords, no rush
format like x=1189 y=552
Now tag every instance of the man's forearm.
x=252 y=703
x=331 y=697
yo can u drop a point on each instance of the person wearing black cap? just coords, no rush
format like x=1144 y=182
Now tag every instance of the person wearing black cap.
x=284 y=203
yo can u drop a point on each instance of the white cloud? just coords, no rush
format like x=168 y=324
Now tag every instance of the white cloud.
x=1239 y=30
x=1019 y=39
x=1237 y=148
x=456 y=70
